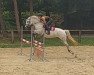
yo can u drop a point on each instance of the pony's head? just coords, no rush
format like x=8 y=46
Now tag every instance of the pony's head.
x=27 y=24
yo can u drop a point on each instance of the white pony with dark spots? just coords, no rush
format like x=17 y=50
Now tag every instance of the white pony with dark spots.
x=64 y=35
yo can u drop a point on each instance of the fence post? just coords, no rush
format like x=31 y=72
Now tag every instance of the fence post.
x=2 y=33
x=32 y=49
x=12 y=36
x=80 y=32
x=21 y=43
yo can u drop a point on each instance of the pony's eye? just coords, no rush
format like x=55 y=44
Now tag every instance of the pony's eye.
x=27 y=21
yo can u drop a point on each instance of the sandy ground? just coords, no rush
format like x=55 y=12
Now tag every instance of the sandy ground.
x=58 y=61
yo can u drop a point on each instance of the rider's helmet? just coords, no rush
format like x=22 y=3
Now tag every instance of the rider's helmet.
x=40 y=14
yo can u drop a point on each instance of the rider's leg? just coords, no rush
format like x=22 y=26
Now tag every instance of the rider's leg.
x=47 y=29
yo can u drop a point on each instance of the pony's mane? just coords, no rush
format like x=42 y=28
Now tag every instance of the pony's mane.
x=34 y=19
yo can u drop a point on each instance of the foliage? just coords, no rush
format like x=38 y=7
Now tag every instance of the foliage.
x=60 y=7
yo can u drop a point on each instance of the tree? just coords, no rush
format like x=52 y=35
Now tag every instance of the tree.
x=17 y=16
x=1 y=19
x=31 y=6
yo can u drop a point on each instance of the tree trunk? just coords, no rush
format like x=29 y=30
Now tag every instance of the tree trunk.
x=31 y=7
x=17 y=16
x=2 y=27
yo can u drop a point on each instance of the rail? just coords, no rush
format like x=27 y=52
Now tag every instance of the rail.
x=79 y=33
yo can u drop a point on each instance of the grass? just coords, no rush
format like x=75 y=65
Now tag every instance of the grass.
x=87 y=41
x=6 y=42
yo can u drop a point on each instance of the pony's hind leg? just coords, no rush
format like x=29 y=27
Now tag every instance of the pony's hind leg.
x=67 y=46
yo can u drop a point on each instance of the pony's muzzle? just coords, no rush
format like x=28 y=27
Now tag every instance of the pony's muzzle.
x=27 y=26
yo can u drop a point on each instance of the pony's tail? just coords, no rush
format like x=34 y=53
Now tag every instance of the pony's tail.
x=70 y=38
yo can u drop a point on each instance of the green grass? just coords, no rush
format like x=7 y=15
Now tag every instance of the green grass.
x=6 y=42
x=87 y=41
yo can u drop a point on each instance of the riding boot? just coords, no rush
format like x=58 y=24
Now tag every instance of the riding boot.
x=48 y=32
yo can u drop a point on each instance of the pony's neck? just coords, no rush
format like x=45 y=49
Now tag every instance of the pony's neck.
x=37 y=24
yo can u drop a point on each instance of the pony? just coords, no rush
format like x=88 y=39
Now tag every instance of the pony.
x=63 y=35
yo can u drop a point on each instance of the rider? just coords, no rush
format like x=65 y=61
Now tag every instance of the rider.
x=48 y=23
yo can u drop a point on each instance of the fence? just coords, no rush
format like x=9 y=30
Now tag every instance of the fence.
x=77 y=33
